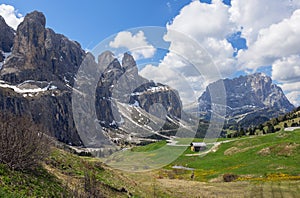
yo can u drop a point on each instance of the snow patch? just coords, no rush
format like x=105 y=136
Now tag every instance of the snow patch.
x=136 y=104
x=6 y=55
x=152 y=90
x=52 y=87
x=24 y=91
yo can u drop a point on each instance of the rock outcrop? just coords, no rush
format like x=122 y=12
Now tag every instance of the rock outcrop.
x=121 y=82
x=41 y=54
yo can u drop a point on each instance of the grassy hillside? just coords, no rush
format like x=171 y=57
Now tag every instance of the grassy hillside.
x=269 y=157
x=64 y=175
x=39 y=183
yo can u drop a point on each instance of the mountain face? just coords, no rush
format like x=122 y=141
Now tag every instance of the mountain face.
x=38 y=72
x=6 y=40
x=41 y=54
x=250 y=99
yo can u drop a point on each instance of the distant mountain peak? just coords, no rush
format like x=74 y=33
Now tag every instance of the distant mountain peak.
x=253 y=94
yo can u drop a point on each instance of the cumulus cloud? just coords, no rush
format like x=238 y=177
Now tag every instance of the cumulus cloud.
x=208 y=26
x=255 y=15
x=282 y=74
x=294 y=98
x=288 y=87
x=292 y=90
x=135 y=43
x=11 y=16
x=200 y=20
x=279 y=40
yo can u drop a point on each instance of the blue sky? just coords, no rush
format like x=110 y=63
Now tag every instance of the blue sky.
x=239 y=36
x=89 y=22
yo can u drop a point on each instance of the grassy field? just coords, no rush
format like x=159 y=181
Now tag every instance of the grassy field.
x=253 y=157
x=266 y=166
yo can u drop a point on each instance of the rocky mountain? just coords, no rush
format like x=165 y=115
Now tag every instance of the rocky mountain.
x=35 y=77
x=250 y=100
x=6 y=40
x=39 y=53
x=38 y=75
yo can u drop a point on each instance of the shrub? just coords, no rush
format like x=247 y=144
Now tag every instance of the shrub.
x=22 y=143
x=229 y=177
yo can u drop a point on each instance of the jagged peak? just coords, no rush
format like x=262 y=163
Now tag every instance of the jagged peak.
x=35 y=17
x=106 y=55
x=108 y=59
x=105 y=59
x=128 y=61
x=260 y=75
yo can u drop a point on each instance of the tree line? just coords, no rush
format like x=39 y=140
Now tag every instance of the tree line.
x=271 y=126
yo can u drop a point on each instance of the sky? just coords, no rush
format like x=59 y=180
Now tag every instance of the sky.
x=238 y=36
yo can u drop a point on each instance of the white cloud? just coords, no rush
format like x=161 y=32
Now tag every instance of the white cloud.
x=11 y=16
x=282 y=74
x=277 y=41
x=135 y=43
x=294 y=98
x=255 y=15
x=292 y=90
x=292 y=86
x=201 y=20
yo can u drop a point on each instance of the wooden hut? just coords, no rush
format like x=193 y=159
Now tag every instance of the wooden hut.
x=198 y=146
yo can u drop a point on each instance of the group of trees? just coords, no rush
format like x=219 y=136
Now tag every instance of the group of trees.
x=270 y=126
x=23 y=144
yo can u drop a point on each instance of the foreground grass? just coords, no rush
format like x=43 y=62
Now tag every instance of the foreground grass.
x=65 y=175
x=38 y=183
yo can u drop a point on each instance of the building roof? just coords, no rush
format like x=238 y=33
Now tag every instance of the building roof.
x=198 y=144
